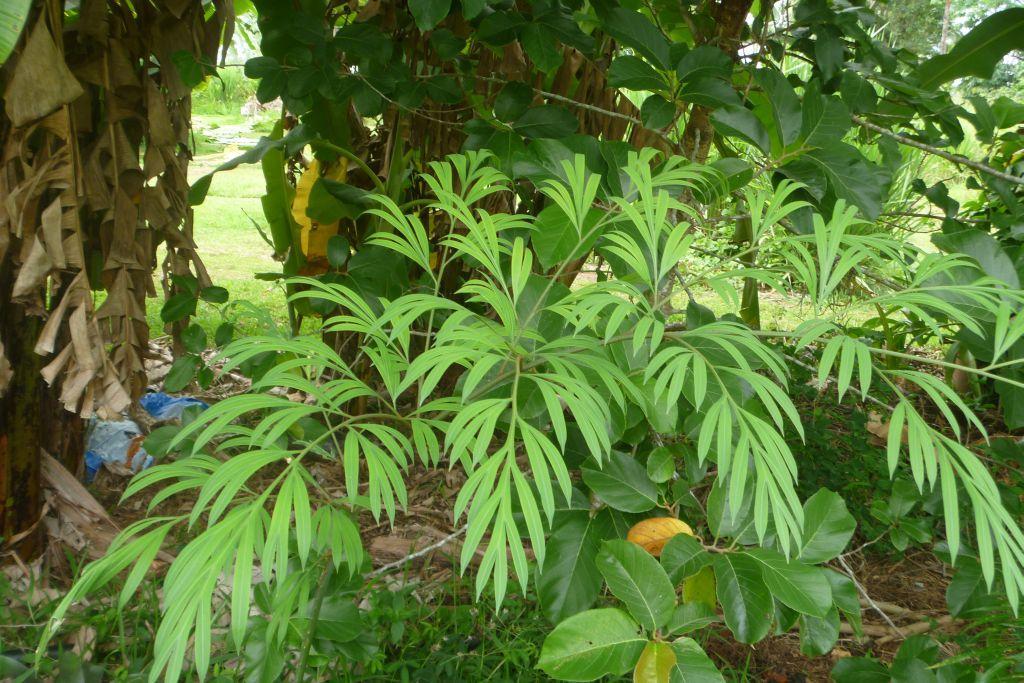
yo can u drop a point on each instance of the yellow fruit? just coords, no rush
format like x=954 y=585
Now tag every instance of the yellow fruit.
x=652 y=534
x=314 y=235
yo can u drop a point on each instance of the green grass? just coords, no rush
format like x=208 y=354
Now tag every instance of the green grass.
x=230 y=245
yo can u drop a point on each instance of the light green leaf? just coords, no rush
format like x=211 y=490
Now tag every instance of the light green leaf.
x=692 y=664
x=828 y=527
x=592 y=644
x=655 y=664
x=13 y=15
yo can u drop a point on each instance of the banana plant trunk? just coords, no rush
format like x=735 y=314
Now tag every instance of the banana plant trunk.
x=21 y=429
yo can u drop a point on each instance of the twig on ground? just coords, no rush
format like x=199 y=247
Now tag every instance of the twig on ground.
x=419 y=553
x=864 y=594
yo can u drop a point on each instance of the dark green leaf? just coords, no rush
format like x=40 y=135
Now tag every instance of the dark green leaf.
x=858 y=94
x=636 y=578
x=828 y=51
x=569 y=582
x=189 y=70
x=845 y=597
x=546 y=121
x=555 y=239
x=340 y=620
x=743 y=123
x=638 y=32
x=592 y=644
x=825 y=119
x=723 y=523
x=429 y=13
x=261 y=67
x=445 y=43
x=656 y=112
x=223 y=334
x=513 y=101
x=840 y=171
x=363 y=41
x=704 y=61
x=860 y=670
x=194 y=338
x=183 y=370
x=72 y=668
x=983 y=248
x=635 y=74
x=178 y=307
x=214 y=294
x=799 y=587
x=710 y=92
x=690 y=617
x=622 y=483
x=744 y=597
x=159 y=440
x=818 y=635
x=338 y=251
x=978 y=52
x=781 y=107
x=683 y=556
x=500 y=28
x=539 y=43
x=661 y=464
x=692 y=664
x=444 y=89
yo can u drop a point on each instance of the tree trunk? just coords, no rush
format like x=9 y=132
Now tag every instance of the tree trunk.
x=21 y=426
x=730 y=18
x=944 y=43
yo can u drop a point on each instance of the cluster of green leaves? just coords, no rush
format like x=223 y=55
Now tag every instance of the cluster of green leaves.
x=756 y=587
x=521 y=382
x=178 y=308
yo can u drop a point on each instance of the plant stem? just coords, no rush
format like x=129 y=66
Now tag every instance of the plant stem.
x=948 y=156
x=314 y=617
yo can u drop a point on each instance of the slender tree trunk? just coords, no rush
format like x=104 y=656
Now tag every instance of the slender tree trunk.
x=944 y=43
x=750 y=305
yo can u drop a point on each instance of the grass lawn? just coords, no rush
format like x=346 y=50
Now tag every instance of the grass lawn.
x=225 y=230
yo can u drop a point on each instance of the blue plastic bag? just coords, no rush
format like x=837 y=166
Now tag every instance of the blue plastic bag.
x=116 y=444
x=166 y=407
